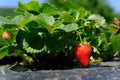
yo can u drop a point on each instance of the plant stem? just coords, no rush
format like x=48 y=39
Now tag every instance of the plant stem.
x=81 y=41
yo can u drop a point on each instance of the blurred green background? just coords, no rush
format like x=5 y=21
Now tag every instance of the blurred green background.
x=8 y=12
x=95 y=6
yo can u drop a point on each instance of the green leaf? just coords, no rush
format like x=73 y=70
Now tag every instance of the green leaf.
x=21 y=8
x=27 y=19
x=32 y=7
x=52 y=43
x=69 y=27
x=3 y=52
x=98 y=19
x=32 y=24
x=77 y=15
x=4 y=20
x=66 y=17
x=48 y=9
x=19 y=38
x=95 y=50
x=116 y=43
x=49 y=20
x=30 y=48
x=8 y=27
x=18 y=19
x=33 y=42
x=107 y=47
x=83 y=12
x=7 y=24
x=72 y=5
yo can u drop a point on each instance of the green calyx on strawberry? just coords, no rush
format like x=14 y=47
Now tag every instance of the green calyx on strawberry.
x=82 y=53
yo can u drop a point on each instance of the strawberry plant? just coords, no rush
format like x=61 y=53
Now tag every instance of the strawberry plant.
x=41 y=35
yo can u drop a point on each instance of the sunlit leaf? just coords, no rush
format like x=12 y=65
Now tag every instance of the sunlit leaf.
x=48 y=9
x=18 y=19
x=49 y=20
x=69 y=27
x=28 y=19
x=66 y=17
x=98 y=19
x=31 y=7
x=4 y=20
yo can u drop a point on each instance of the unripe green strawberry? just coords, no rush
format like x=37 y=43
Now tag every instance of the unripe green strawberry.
x=6 y=36
x=83 y=53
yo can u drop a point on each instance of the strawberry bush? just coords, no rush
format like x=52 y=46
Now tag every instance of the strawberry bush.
x=45 y=37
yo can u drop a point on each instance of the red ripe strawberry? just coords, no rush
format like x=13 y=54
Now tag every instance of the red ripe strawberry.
x=83 y=53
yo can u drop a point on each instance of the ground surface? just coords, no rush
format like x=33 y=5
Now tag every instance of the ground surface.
x=99 y=71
